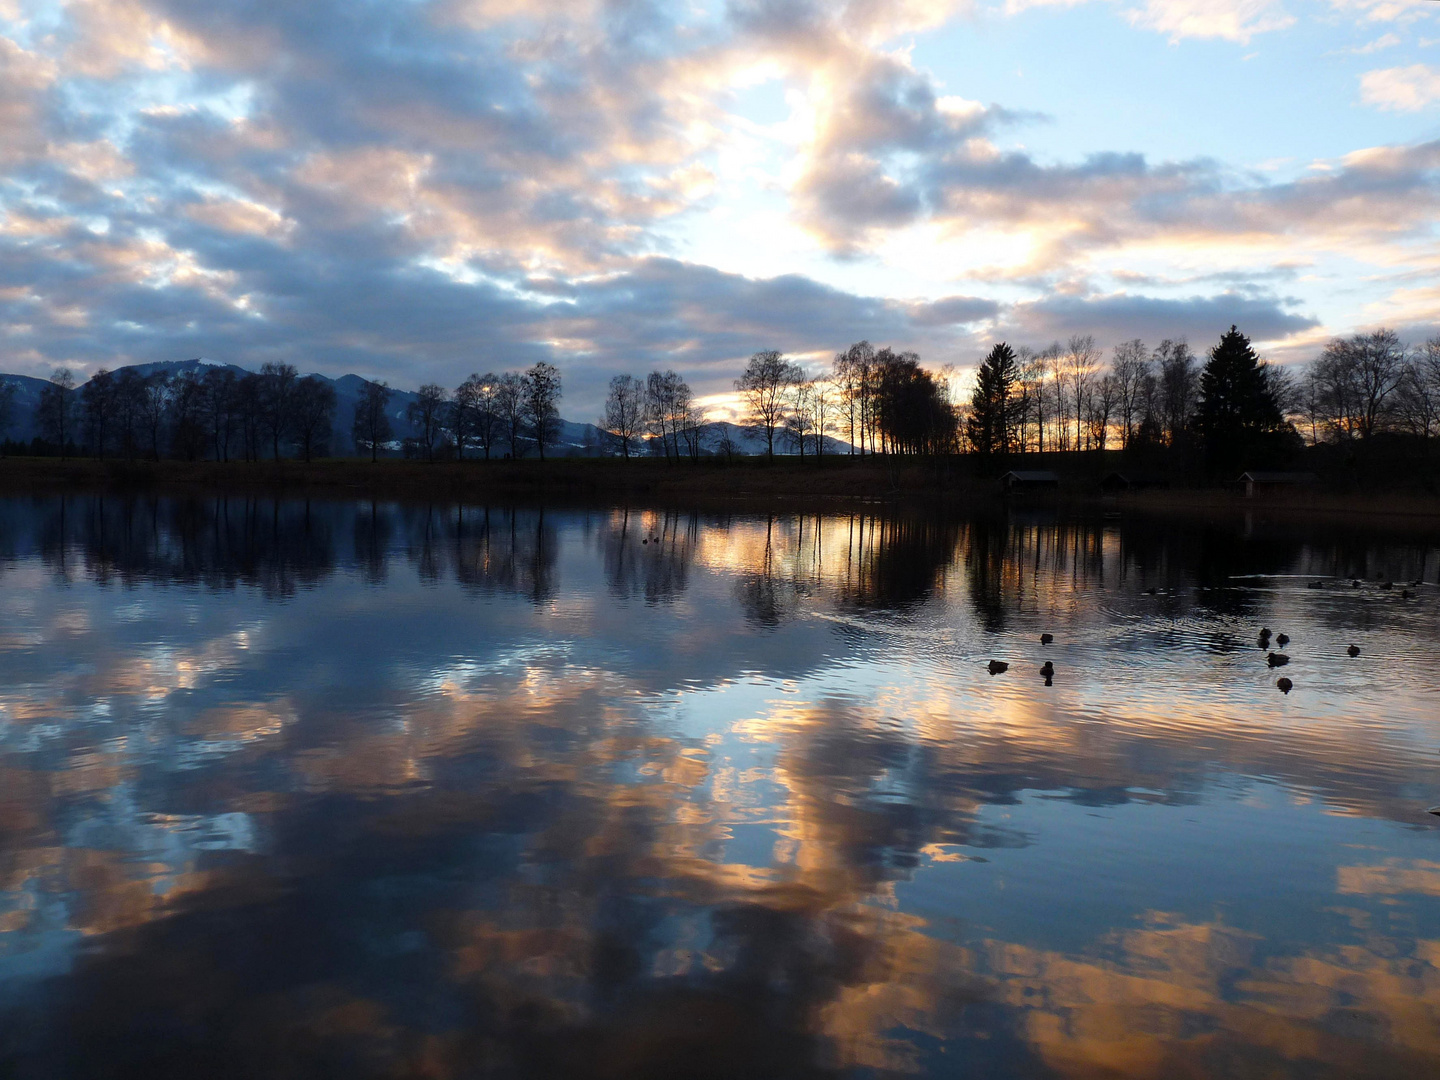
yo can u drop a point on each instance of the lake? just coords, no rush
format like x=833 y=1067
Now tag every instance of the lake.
x=309 y=788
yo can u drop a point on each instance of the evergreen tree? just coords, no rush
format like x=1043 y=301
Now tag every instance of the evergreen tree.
x=993 y=404
x=1238 y=414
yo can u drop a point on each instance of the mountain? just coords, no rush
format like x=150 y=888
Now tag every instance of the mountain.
x=27 y=401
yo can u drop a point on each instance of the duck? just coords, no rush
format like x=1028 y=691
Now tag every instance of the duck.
x=1315 y=585
x=1282 y=640
x=1285 y=685
x=996 y=667
x=1387 y=585
x=1150 y=591
x=1353 y=651
x=1048 y=670
x=1354 y=583
x=1406 y=594
x=1046 y=639
x=1277 y=659
x=1434 y=810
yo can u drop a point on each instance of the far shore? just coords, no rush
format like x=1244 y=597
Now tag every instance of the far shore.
x=836 y=482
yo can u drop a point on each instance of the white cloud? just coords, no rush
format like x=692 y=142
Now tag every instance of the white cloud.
x=1233 y=20
x=1404 y=89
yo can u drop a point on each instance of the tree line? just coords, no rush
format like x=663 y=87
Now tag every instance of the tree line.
x=189 y=415
x=222 y=414
x=513 y=409
x=1232 y=407
x=877 y=400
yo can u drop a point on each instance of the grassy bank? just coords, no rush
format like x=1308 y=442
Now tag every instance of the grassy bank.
x=786 y=483
x=565 y=479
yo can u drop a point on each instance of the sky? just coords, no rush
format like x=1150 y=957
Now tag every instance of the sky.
x=414 y=190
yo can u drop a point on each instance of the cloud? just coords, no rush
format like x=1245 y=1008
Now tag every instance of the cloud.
x=413 y=191
x=1118 y=316
x=1401 y=89
x=1232 y=20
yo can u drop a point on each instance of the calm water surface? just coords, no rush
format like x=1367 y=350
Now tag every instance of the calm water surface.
x=305 y=789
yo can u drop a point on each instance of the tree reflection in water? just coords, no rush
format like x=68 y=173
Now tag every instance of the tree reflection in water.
x=297 y=788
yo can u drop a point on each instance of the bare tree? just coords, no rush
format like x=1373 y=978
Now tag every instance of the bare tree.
x=510 y=403
x=154 y=406
x=1081 y=359
x=799 y=413
x=1419 y=391
x=250 y=410
x=277 y=390
x=542 y=404
x=763 y=387
x=314 y=415
x=693 y=424
x=727 y=445
x=97 y=404
x=371 y=427
x=427 y=415
x=472 y=413
x=1059 y=397
x=824 y=400
x=1359 y=377
x=1129 y=366
x=220 y=406
x=854 y=377
x=625 y=411
x=188 y=433
x=662 y=413
x=1100 y=405
x=56 y=409
x=485 y=421
x=1179 y=386
x=129 y=410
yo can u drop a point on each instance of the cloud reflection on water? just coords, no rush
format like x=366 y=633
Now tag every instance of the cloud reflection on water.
x=289 y=788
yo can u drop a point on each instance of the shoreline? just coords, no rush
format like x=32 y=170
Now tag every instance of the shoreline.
x=834 y=483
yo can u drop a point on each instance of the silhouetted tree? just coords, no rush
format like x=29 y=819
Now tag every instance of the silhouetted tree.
x=477 y=395
x=187 y=416
x=799 y=413
x=625 y=411
x=1129 y=368
x=276 y=400
x=97 y=405
x=1419 y=391
x=664 y=393
x=56 y=408
x=1179 y=387
x=763 y=387
x=250 y=409
x=1237 y=408
x=464 y=413
x=912 y=411
x=510 y=404
x=993 y=404
x=154 y=407
x=130 y=411
x=427 y=416
x=219 y=406
x=371 y=426
x=542 y=404
x=314 y=415
x=1357 y=380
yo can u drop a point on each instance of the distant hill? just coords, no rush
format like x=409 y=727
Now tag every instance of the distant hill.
x=27 y=400
x=573 y=437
